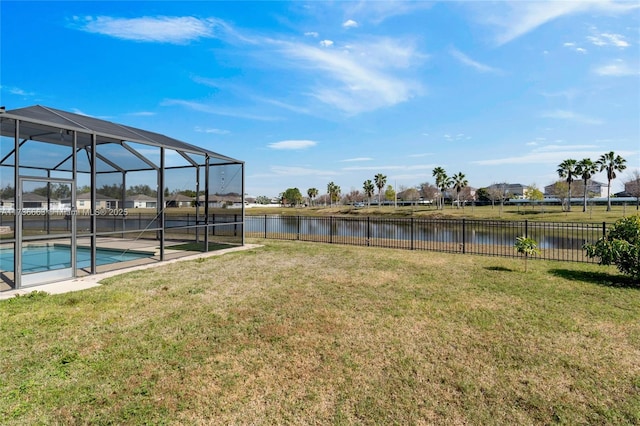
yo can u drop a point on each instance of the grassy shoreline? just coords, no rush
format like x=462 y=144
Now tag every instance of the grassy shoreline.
x=299 y=332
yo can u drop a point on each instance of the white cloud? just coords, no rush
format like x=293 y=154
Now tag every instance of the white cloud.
x=379 y=11
x=470 y=62
x=16 y=91
x=550 y=154
x=389 y=168
x=358 y=79
x=350 y=160
x=349 y=23
x=515 y=19
x=299 y=171
x=162 y=29
x=292 y=144
x=581 y=50
x=570 y=116
x=311 y=34
x=617 y=68
x=211 y=130
x=608 y=39
x=142 y=114
x=326 y=43
x=228 y=112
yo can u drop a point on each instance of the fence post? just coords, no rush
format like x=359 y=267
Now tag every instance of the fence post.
x=526 y=228
x=604 y=229
x=265 y=226
x=330 y=229
x=298 y=235
x=368 y=231
x=412 y=228
x=464 y=228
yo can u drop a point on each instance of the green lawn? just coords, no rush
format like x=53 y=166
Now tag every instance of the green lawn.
x=299 y=332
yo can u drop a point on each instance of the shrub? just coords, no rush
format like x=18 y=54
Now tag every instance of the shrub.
x=528 y=247
x=621 y=246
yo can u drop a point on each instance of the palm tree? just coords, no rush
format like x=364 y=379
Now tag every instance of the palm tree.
x=312 y=193
x=441 y=178
x=585 y=168
x=331 y=189
x=610 y=162
x=381 y=181
x=368 y=190
x=567 y=171
x=459 y=182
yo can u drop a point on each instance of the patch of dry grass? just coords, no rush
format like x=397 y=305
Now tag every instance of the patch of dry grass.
x=313 y=333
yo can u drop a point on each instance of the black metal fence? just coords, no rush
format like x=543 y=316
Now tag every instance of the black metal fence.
x=557 y=241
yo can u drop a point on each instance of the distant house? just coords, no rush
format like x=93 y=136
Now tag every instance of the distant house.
x=83 y=201
x=222 y=200
x=510 y=190
x=179 y=200
x=594 y=189
x=140 y=201
x=32 y=200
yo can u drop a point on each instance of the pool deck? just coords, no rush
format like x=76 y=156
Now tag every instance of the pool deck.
x=89 y=281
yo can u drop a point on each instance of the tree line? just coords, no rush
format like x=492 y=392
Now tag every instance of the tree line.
x=456 y=187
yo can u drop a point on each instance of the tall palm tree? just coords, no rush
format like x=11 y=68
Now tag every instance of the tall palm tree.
x=441 y=178
x=567 y=171
x=368 y=190
x=459 y=182
x=381 y=181
x=585 y=168
x=331 y=188
x=312 y=193
x=611 y=162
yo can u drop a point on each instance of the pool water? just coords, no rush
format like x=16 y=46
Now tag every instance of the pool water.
x=40 y=258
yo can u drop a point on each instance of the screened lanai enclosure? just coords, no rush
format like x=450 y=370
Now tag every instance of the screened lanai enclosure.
x=80 y=196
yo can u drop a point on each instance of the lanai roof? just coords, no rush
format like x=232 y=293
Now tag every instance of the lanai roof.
x=35 y=117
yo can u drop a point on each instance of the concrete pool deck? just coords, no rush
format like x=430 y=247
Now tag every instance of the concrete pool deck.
x=89 y=281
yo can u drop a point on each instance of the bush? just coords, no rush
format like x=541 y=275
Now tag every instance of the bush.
x=621 y=246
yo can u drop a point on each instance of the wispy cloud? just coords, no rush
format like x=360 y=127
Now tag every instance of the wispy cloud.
x=571 y=116
x=357 y=159
x=389 y=167
x=300 y=171
x=618 y=68
x=466 y=60
x=211 y=130
x=16 y=91
x=293 y=144
x=142 y=114
x=206 y=108
x=311 y=34
x=573 y=46
x=358 y=78
x=515 y=19
x=379 y=11
x=548 y=154
x=608 y=39
x=326 y=43
x=160 y=29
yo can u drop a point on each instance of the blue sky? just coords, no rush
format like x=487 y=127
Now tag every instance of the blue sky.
x=312 y=92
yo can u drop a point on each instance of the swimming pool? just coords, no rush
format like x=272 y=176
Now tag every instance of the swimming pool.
x=48 y=257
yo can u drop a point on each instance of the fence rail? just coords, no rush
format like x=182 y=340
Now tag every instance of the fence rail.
x=557 y=241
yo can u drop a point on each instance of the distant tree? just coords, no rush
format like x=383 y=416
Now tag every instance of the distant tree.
x=332 y=188
x=112 y=191
x=390 y=193
x=459 y=181
x=559 y=190
x=632 y=186
x=141 y=189
x=381 y=181
x=610 y=162
x=368 y=190
x=354 y=196
x=534 y=194
x=292 y=197
x=312 y=193
x=585 y=168
x=190 y=193
x=7 y=192
x=428 y=192
x=409 y=194
x=567 y=171
x=263 y=199
x=56 y=191
x=335 y=194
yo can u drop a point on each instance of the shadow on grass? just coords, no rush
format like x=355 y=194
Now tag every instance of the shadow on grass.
x=600 y=278
x=498 y=268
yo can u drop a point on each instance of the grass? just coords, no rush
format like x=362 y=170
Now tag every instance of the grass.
x=299 y=332
x=509 y=212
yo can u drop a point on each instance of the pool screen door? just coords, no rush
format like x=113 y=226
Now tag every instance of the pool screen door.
x=45 y=216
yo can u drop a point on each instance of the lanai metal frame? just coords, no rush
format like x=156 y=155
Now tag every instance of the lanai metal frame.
x=91 y=137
